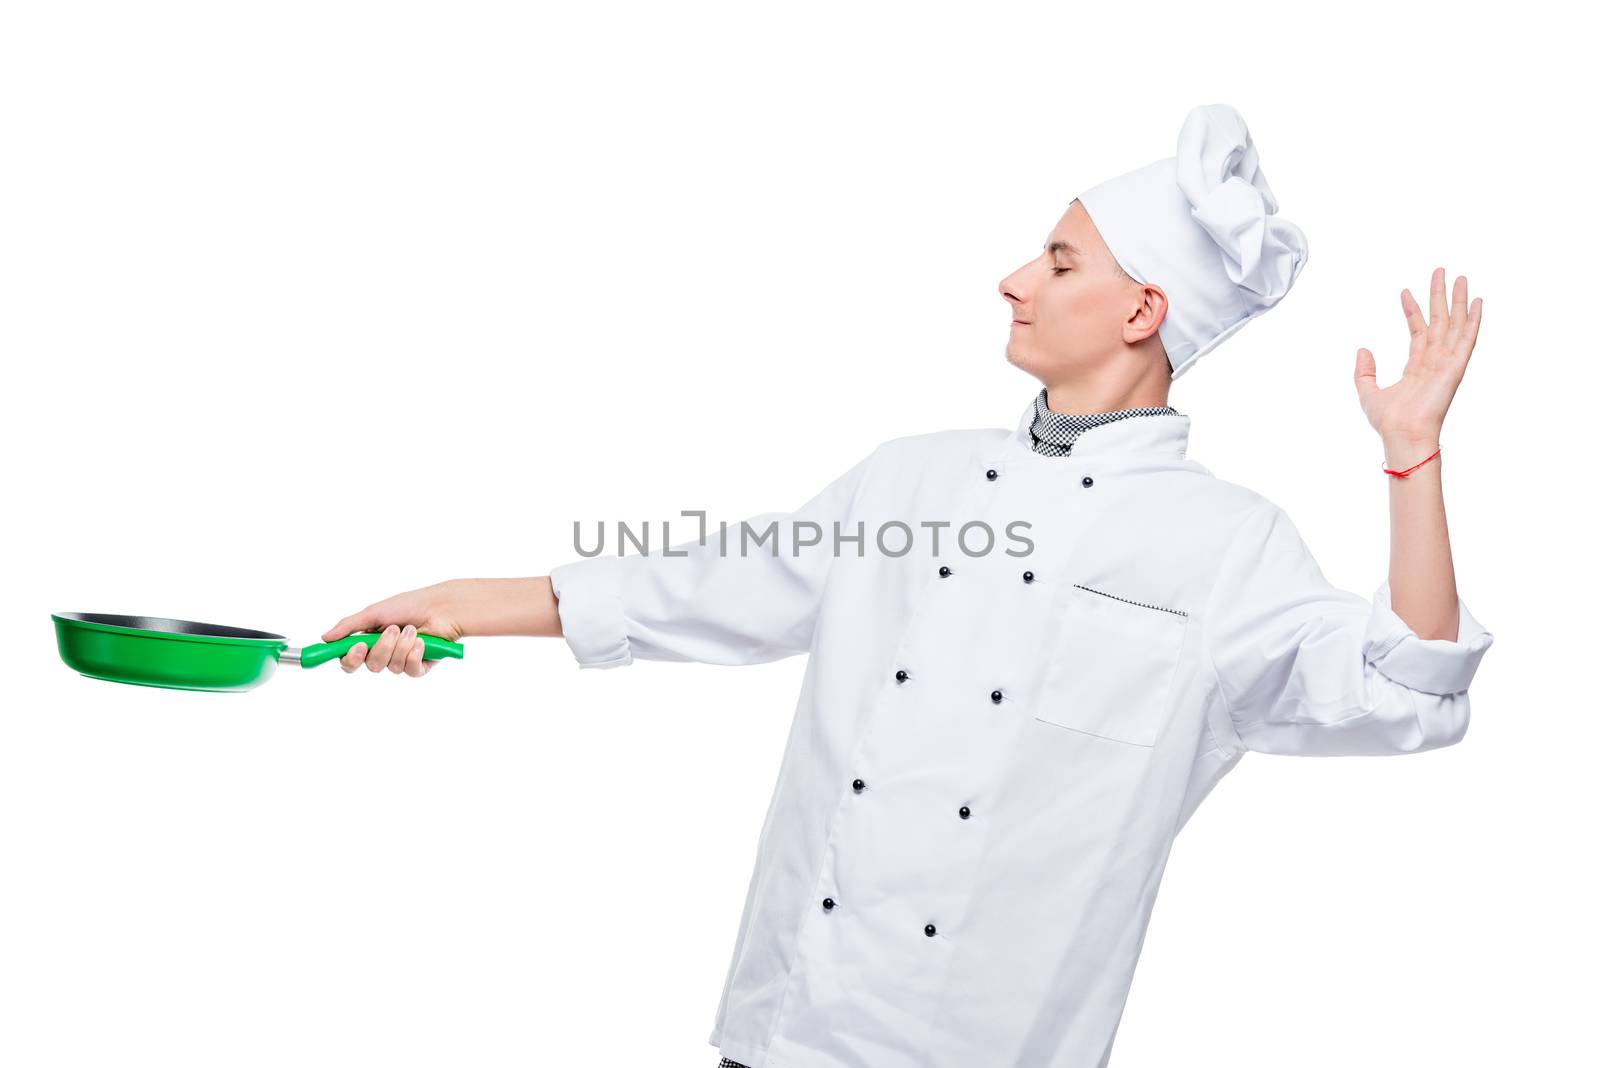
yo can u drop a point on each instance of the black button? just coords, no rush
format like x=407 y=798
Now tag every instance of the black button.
x=995 y=696
x=991 y=474
x=901 y=676
x=944 y=572
x=930 y=930
x=827 y=902
x=966 y=812
x=858 y=786
x=1087 y=481
x=1027 y=576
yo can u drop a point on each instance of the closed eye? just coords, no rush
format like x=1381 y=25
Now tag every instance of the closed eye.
x=1058 y=271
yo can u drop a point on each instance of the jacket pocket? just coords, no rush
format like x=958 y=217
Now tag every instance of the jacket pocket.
x=1112 y=666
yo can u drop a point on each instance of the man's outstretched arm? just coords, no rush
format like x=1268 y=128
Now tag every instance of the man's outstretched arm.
x=1304 y=667
x=752 y=602
x=1408 y=416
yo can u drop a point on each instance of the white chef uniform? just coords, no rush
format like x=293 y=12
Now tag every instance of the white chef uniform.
x=991 y=754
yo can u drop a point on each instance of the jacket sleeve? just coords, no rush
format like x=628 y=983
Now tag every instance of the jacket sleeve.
x=757 y=601
x=1309 y=669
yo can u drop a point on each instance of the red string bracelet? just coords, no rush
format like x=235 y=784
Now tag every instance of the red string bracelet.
x=1413 y=467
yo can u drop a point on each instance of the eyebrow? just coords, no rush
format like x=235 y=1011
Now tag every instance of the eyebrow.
x=1063 y=246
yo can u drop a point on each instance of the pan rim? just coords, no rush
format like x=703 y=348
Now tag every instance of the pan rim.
x=263 y=639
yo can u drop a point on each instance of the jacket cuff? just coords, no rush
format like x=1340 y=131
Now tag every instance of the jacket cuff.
x=589 y=602
x=1427 y=665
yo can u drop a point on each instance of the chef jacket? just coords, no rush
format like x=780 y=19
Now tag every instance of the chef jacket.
x=1053 y=434
x=992 y=753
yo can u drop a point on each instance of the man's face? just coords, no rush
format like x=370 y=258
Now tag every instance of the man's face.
x=1072 y=306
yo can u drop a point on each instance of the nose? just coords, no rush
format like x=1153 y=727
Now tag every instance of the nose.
x=1011 y=289
x=1015 y=294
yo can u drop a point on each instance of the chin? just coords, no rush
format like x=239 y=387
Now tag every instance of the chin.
x=1021 y=360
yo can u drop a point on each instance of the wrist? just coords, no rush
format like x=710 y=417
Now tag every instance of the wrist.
x=1427 y=430
x=1403 y=461
x=456 y=600
x=1402 y=448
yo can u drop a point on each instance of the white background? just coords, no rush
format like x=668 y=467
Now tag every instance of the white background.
x=302 y=305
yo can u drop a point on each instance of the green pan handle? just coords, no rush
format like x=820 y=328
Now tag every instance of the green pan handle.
x=432 y=648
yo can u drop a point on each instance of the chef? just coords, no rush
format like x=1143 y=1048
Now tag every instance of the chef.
x=993 y=750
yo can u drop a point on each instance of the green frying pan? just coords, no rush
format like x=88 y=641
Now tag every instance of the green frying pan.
x=180 y=655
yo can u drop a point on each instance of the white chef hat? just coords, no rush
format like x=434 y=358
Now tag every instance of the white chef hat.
x=1203 y=226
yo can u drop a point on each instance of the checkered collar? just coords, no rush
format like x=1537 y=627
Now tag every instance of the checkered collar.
x=1053 y=433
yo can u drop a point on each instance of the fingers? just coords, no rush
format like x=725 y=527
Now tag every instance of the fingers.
x=1414 y=320
x=1437 y=312
x=365 y=619
x=1366 y=374
x=416 y=667
x=397 y=649
x=1470 y=334
x=404 y=646
x=353 y=658
x=378 y=659
x=1458 y=305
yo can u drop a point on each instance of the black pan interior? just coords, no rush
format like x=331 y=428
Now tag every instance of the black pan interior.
x=170 y=626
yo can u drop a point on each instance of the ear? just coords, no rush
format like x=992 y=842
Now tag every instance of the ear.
x=1146 y=315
